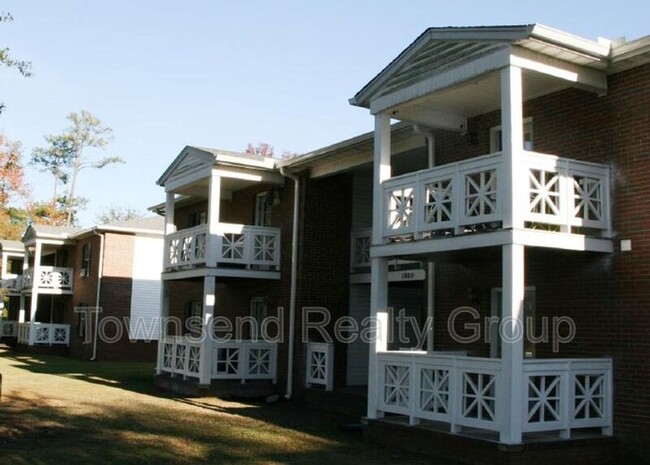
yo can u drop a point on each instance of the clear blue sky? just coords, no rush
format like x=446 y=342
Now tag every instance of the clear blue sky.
x=167 y=74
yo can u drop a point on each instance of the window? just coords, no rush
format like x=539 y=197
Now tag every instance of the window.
x=496 y=141
x=259 y=311
x=263 y=209
x=81 y=320
x=197 y=219
x=85 y=260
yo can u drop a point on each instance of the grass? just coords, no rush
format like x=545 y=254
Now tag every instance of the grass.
x=60 y=410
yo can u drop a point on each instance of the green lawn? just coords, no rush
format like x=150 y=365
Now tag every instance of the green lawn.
x=59 y=410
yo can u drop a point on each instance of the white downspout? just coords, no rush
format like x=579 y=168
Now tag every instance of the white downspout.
x=99 y=288
x=431 y=267
x=294 y=280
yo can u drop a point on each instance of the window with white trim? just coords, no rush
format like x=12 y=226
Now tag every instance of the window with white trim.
x=84 y=270
x=496 y=136
x=262 y=209
x=197 y=218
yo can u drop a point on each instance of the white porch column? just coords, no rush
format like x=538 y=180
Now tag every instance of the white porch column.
x=512 y=344
x=21 y=310
x=512 y=137
x=170 y=227
x=35 y=281
x=5 y=260
x=379 y=266
x=164 y=315
x=169 y=213
x=205 y=360
x=431 y=303
x=214 y=204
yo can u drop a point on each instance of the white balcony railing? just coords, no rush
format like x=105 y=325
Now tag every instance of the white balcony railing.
x=567 y=394
x=561 y=195
x=12 y=285
x=244 y=360
x=180 y=356
x=320 y=365
x=8 y=328
x=44 y=333
x=186 y=247
x=235 y=244
x=241 y=360
x=560 y=395
x=50 y=277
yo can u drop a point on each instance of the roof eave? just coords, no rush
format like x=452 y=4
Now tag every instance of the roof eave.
x=489 y=33
x=507 y=34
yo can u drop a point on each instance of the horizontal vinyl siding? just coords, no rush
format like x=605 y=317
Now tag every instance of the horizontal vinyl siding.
x=145 y=294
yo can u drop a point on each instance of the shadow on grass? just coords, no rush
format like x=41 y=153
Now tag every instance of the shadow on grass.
x=36 y=433
x=132 y=376
x=128 y=428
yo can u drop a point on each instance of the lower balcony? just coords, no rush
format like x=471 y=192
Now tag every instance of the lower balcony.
x=239 y=360
x=237 y=247
x=8 y=328
x=43 y=334
x=555 y=198
x=50 y=279
x=560 y=395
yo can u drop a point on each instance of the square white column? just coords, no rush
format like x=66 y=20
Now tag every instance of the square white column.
x=512 y=345
x=164 y=315
x=169 y=213
x=512 y=138
x=214 y=204
x=205 y=355
x=34 y=301
x=379 y=266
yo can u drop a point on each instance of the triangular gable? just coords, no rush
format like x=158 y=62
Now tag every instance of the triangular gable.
x=190 y=159
x=440 y=50
x=29 y=235
x=434 y=51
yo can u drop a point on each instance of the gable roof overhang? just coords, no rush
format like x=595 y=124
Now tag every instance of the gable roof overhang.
x=55 y=236
x=9 y=247
x=352 y=153
x=449 y=74
x=190 y=172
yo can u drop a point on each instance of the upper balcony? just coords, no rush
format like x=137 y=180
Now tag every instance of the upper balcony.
x=218 y=215
x=557 y=198
x=49 y=280
x=12 y=285
x=237 y=245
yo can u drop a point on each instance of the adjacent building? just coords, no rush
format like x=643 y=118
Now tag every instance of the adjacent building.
x=92 y=293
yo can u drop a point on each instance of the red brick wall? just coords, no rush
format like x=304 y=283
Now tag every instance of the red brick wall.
x=85 y=292
x=324 y=260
